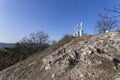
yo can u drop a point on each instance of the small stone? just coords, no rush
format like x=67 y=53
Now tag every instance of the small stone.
x=32 y=63
x=53 y=75
x=98 y=62
x=117 y=79
x=48 y=63
x=81 y=75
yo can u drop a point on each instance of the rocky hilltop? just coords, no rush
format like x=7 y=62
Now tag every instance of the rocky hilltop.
x=82 y=58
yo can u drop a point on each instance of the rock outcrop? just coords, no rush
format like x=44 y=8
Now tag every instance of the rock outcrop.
x=85 y=58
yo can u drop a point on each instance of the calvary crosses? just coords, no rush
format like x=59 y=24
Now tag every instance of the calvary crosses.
x=78 y=30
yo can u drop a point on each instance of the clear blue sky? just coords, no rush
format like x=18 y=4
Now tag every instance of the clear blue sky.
x=19 y=18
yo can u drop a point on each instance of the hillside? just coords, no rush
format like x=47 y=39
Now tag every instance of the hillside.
x=81 y=58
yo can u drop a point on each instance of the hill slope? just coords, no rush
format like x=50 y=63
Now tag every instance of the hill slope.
x=86 y=58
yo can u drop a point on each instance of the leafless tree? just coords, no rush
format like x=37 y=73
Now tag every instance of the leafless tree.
x=35 y=41
x=105 y=24
x=115 y=10
x=53 y=42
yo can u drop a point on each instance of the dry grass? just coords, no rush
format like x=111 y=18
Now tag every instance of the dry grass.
x=78 y=39
x=117 y=56
x=66 y=39
x=118 y=33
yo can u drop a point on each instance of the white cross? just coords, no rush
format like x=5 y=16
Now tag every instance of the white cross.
x=81 y=25
x=78 y=29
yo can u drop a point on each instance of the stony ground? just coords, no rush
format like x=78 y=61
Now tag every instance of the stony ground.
x=86 y=58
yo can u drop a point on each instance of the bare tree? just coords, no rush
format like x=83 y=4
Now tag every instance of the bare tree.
x=53 y=42
x=115 y=10
x=105 y=24
x=35 y=41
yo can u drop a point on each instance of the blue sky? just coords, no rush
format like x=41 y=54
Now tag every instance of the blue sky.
x=19 y=18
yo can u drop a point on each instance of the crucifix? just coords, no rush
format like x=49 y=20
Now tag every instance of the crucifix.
x=78 y=29
x=81 y=25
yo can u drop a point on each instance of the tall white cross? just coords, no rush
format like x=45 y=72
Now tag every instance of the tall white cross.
x=81 y=25
x=76 y=30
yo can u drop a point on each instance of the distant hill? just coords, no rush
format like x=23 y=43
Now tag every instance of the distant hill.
x=2 y=45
